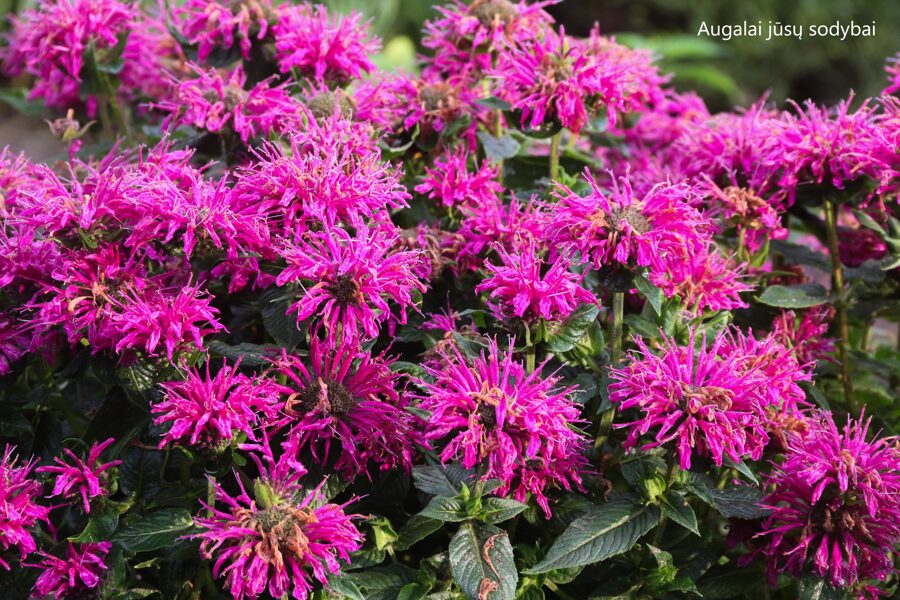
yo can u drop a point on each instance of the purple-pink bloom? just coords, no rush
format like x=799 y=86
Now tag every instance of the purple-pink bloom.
x=806 y=338
x=703 y=280
x=73 y=576
x=210 y=411
x=343 y=405
x=835 y=505
x=212 y=25
x=348 y=280
x=528 y=287
x=514 y=226
x=19 y=510
x=14 y=342
x=519 y=427
x=86 y=478
x=211 y=102
x=451 y=183
x=281 y=540
x=327 y=47
x=702 y=402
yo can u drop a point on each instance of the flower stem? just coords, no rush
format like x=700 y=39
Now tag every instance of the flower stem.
x=661 y=527
x=554 y=155
x=529 y=350
x=615 y=332
x=559 y=593
x=837 y=286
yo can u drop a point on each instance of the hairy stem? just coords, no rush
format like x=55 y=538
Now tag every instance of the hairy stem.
x=837 y=286
x=554 y=155
x=615 y=331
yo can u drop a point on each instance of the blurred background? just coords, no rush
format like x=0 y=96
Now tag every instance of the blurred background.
x=726 y=74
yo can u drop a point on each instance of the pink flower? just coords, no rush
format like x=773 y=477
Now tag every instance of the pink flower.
x=450 y=181
x=856 y=246
x=213 y=26
x=345 y=407
x=347 y=281
x=835 y=505
x=528 y=287
x=756 y=220
x=329 y=48
x=704 y=403
x=806 y=339
x=14 y=342
x=72 y=577
x=893 y=71
x=19 y=510
x=213 y=103
x=518 y=426
x=85 y=478
x=211 y=411
x=620 y=228
x=280 y=541
x=514 y=226
x=703 y=280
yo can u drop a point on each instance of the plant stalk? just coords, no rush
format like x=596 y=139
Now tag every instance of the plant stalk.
x=615 y=332
x=837 y=286
x=554 y=155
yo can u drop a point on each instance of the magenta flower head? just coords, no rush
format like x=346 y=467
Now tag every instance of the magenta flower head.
x=835 y=505
x=326 y=47
x=518 y=426
x=282 y=539
x=210 y=102
x=703 y=280
x=212 y=25
x=86 y=478
x=344 y=406
x=527 y=287
x=14 y=342
x=515 y=225
x=73 y=576
x=19 y=510
x=211 y=411
x=702 y=402
x=348 y=280
x=806 y=338
x=451 y=183
x=618 y=227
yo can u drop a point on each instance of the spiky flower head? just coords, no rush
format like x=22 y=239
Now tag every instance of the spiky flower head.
x=19 y=510
x=75 y=575
x=86 y=478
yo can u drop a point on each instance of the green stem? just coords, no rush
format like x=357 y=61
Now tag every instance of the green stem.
x=211 y=493
x=529 y=350
x=615 y=332
x=837 y=287
x=559 y=593
x=661 y=527
x=554 y=155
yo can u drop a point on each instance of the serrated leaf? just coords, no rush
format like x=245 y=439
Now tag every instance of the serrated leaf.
x=100 y=526
x=603 y=532
x=868 y=222
x=442 y=508
x=498 y=149
x=802 y=255
x=795 y=296
x=653 y=294
x=570 y=331
x=382 y=583
x=469 y=347
x=413 y=591
x=742 y=468
x=740 y=502
x=345 y=586
x=251 y=355
x=416 y=529
x=154 y=531
x=676 y=508
x=816 y=588
x=497 y=510
x=481 y=560
x=273 y=306
x=441 y=480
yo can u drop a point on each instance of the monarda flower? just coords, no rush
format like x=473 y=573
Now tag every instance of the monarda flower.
x=210 y=102
x=856 y=246
x=703 y=402
x=702 y=280
x=514 y=225
x=617 y=227
x=348 y=281
x=518 y=426
x=73 y=576
x=835 y=505
x=212 y=25
x=343 y=405
x=326 y=47
x=755 y=219
x=86 y=478
x=806 y=338
x=282 y=540
x=14 y=342
x=19 y=510
x=211 y=411
x=451 y=183
x=527 y=287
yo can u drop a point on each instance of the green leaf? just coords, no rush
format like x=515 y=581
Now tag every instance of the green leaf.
x=868 y=222
x=481 y=560
x=653 y=294
x=604 y=532
x=251 y=355
x=729 y=582
x=676 y=508
x=816 y=588
x=157 y=530
x=345 y=586
x=495 y=103
x=441 y=480
x=737 y=501
x=442 y=508
x=413 y=591
x=18 y=99
x=498 y=149
x=572 y=329
x=100 y=526
x=497 y=510
x=273 y=306
x=382 y=583
x=802 y=255
x=795 y=296
x=416 y=529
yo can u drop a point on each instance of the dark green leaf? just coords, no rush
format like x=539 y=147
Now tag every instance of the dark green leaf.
x=653 y=294
x=495 y=103
x=497 y=510
x=383 y=583
x=481 y=559
x=100 y=525
x=604 y=532
x=251 y=355
x=417 y=528
x=498 y=149
x=273 y=306
x=156 y=530
x=570 y=331
x=795 y=296
x=345 y=586
x=441 y=480
x=676 y=508
x=802 y=255
x=445 y=509
x=816 y=588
